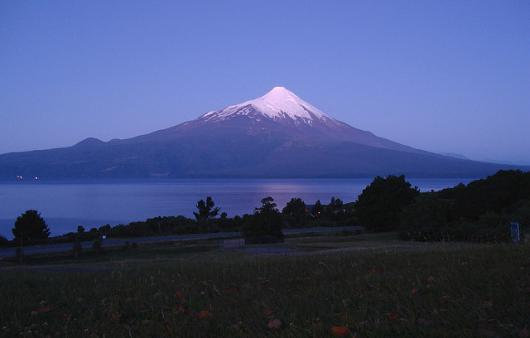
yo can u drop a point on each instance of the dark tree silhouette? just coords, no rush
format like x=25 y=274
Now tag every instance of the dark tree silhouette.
x=206 y=210
x=295 y=213
x=317 y=209
x=105 y=230
x=379 y=205
x=3 y=240
x=265 y=225
x=335 y=209
x=30 y=226
x=479 y=211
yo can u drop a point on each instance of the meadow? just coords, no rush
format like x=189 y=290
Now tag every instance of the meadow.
x=350 y=286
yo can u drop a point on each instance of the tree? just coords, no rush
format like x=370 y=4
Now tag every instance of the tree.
x=265 y=226
x=80 y=229
x=335 y=209
x=206 y=210
x=494 y=193
x=30 y=226
x=317 y=209
x=427 y=218
x=105 y=230
x=379 y=206
x=295 y=212
x=3 y=240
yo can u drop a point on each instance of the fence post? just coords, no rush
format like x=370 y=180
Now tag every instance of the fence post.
x=515 y=232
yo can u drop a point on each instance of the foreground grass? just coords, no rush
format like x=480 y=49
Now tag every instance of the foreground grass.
x=472 y=291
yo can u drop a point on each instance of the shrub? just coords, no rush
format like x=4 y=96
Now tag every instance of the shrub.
x=426 y=217
x=379 y=206
x=265 y=226
x=30 y=226
x=478 y=212
x=317 y=209
x=495 y=193
x=295 y=213
x=77 y=248
x=97 y=246
x=3 y=241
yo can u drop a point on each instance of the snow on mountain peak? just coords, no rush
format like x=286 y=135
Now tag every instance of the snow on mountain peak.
x=278 y=103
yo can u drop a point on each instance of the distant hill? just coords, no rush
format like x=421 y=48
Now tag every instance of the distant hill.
x=276 y=135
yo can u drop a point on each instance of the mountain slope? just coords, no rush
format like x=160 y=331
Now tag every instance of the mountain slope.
x=276 y=135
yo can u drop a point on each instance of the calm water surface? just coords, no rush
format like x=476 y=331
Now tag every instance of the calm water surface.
x=66 y=204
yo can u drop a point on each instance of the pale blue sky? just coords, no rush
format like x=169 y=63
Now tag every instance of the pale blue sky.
x=446 y=76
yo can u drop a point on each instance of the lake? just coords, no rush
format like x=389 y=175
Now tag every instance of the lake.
x=67 y=204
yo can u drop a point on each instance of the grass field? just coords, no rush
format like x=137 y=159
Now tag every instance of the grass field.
x=358 y=286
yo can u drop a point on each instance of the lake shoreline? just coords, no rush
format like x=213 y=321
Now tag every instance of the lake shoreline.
x=93 y=203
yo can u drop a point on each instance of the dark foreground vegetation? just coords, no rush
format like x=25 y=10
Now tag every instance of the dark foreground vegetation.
x=468 y=291
x=480 y=211
x=264 y=225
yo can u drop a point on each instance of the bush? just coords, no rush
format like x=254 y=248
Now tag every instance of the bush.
x=295 y=213
x=478 y=212
x=30 y=226
x=379 y=206
x=520 y=212
x=77 y=248
x=424 y=219
x=97 y=246
x=317 y=209
x=265 y=226
x=3 y=241
x=495 y=193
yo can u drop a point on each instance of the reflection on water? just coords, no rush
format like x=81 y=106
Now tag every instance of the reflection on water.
x=93 y=203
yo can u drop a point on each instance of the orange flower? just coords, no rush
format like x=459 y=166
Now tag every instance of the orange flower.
x=339 y=331
x=42 y=309
x=232 y=289
x=203 y=314
x=179 y=295
x=115 y=316
x=393 y=316
x=267 y=312
x=274 y=324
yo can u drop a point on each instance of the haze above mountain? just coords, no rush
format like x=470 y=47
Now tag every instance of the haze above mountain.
x=276 y=135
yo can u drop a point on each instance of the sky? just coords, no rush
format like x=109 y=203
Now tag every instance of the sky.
x=446 y=76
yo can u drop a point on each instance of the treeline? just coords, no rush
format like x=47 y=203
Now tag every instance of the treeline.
x=208 y=218
x=31 y=228
x=480 y=211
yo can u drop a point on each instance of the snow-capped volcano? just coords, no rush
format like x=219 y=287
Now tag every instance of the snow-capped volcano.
x=288 y=117
x=279 y=103
x=275 y=135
